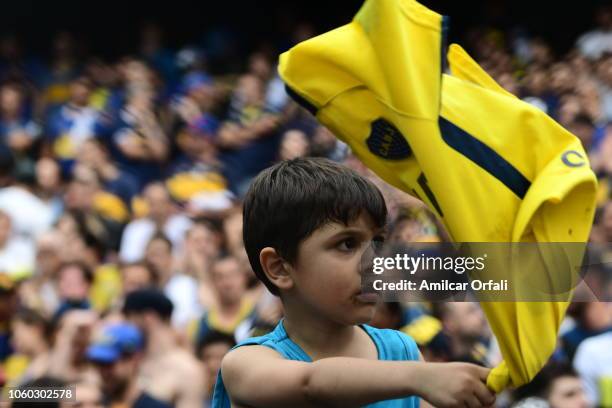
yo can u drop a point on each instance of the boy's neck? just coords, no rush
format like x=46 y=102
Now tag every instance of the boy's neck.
x=319 y=337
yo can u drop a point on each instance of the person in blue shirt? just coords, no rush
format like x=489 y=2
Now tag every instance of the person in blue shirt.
x=250 y=136
x=70 y=124
x=307 y=224
x=136 y=140
x=18 y=130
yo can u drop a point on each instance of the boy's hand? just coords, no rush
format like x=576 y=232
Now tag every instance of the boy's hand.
x=456 y=385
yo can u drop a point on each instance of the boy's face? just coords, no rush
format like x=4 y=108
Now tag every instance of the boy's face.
x=327 y=276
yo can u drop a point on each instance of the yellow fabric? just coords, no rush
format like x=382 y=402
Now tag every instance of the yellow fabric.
x=106 y=287
x=111 y=206
x=64 y=148
x=214 y=320
x=99 y=98
x=57 y=93
x=423 y=329
x=603 y=192
x=605 y=391
x=494 y=168
x=140 y=208
x=184 y=186
x=15 y=367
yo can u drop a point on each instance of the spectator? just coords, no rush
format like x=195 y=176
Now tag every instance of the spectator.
x=466 y=331
x=180 y=288
x=583 y=127
x=604 y=79
x=87 y=395
x=137 y=141
x=70 y=124
x=29 y=215
x=537 y=92
x=160 y=217
x=232 y=307
x=17 y=129
x=16 y=253
x=31 y=341
x=195 y=175
x=68 y=359
x=136 y=276
x=165 y=365
x=100 y=214
x=62 y=69
x=589 y=319
x=598 y=41
x=202 y=248
x=325 y=144
x=49 y=186
x=558 y=385
x=74 y=283
x=153 y=51
x=210 y=350
x=114 y=181
x=249 y=137
x=594 y=364
x=117 y=353
x=294 y=144
x=203 y=244
x=39 y=292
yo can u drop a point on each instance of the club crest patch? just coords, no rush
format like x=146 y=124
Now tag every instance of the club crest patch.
x=386 y=141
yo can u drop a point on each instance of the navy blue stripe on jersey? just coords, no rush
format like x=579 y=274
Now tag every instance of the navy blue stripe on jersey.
x=444 y=43
x=301 y=100
x=485 y=157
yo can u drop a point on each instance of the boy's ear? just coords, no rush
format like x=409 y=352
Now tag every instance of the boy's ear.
x=275 y=268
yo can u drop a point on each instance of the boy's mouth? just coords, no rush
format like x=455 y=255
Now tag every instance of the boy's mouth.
x=367 y=297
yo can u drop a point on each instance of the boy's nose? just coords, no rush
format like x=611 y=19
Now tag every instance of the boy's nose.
x=366 y=263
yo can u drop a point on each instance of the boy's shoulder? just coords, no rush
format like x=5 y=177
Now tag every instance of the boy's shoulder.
x=279 y=341
x=393 y=344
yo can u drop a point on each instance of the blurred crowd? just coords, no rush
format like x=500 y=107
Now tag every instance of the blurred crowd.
x=123 y=269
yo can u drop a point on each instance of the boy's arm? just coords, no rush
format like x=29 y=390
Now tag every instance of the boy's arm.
x=424 y=403
x=257 y=376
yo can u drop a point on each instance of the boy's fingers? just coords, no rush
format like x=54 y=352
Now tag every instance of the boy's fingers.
x=484 y=395
x=472 y=402
x=483 y=373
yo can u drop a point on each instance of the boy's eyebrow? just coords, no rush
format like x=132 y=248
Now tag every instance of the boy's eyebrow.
x=358 y=231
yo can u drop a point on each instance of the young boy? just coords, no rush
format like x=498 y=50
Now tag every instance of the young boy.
x=307 y=222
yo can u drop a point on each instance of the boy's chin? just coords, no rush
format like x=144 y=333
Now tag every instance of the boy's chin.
x=365 y=314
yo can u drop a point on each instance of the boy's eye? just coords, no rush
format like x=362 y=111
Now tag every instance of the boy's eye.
x=348 y=244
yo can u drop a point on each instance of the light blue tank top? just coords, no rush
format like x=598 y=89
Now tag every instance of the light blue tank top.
x=392 y=345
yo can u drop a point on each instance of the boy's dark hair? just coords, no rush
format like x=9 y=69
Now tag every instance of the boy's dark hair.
x=287 y=202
